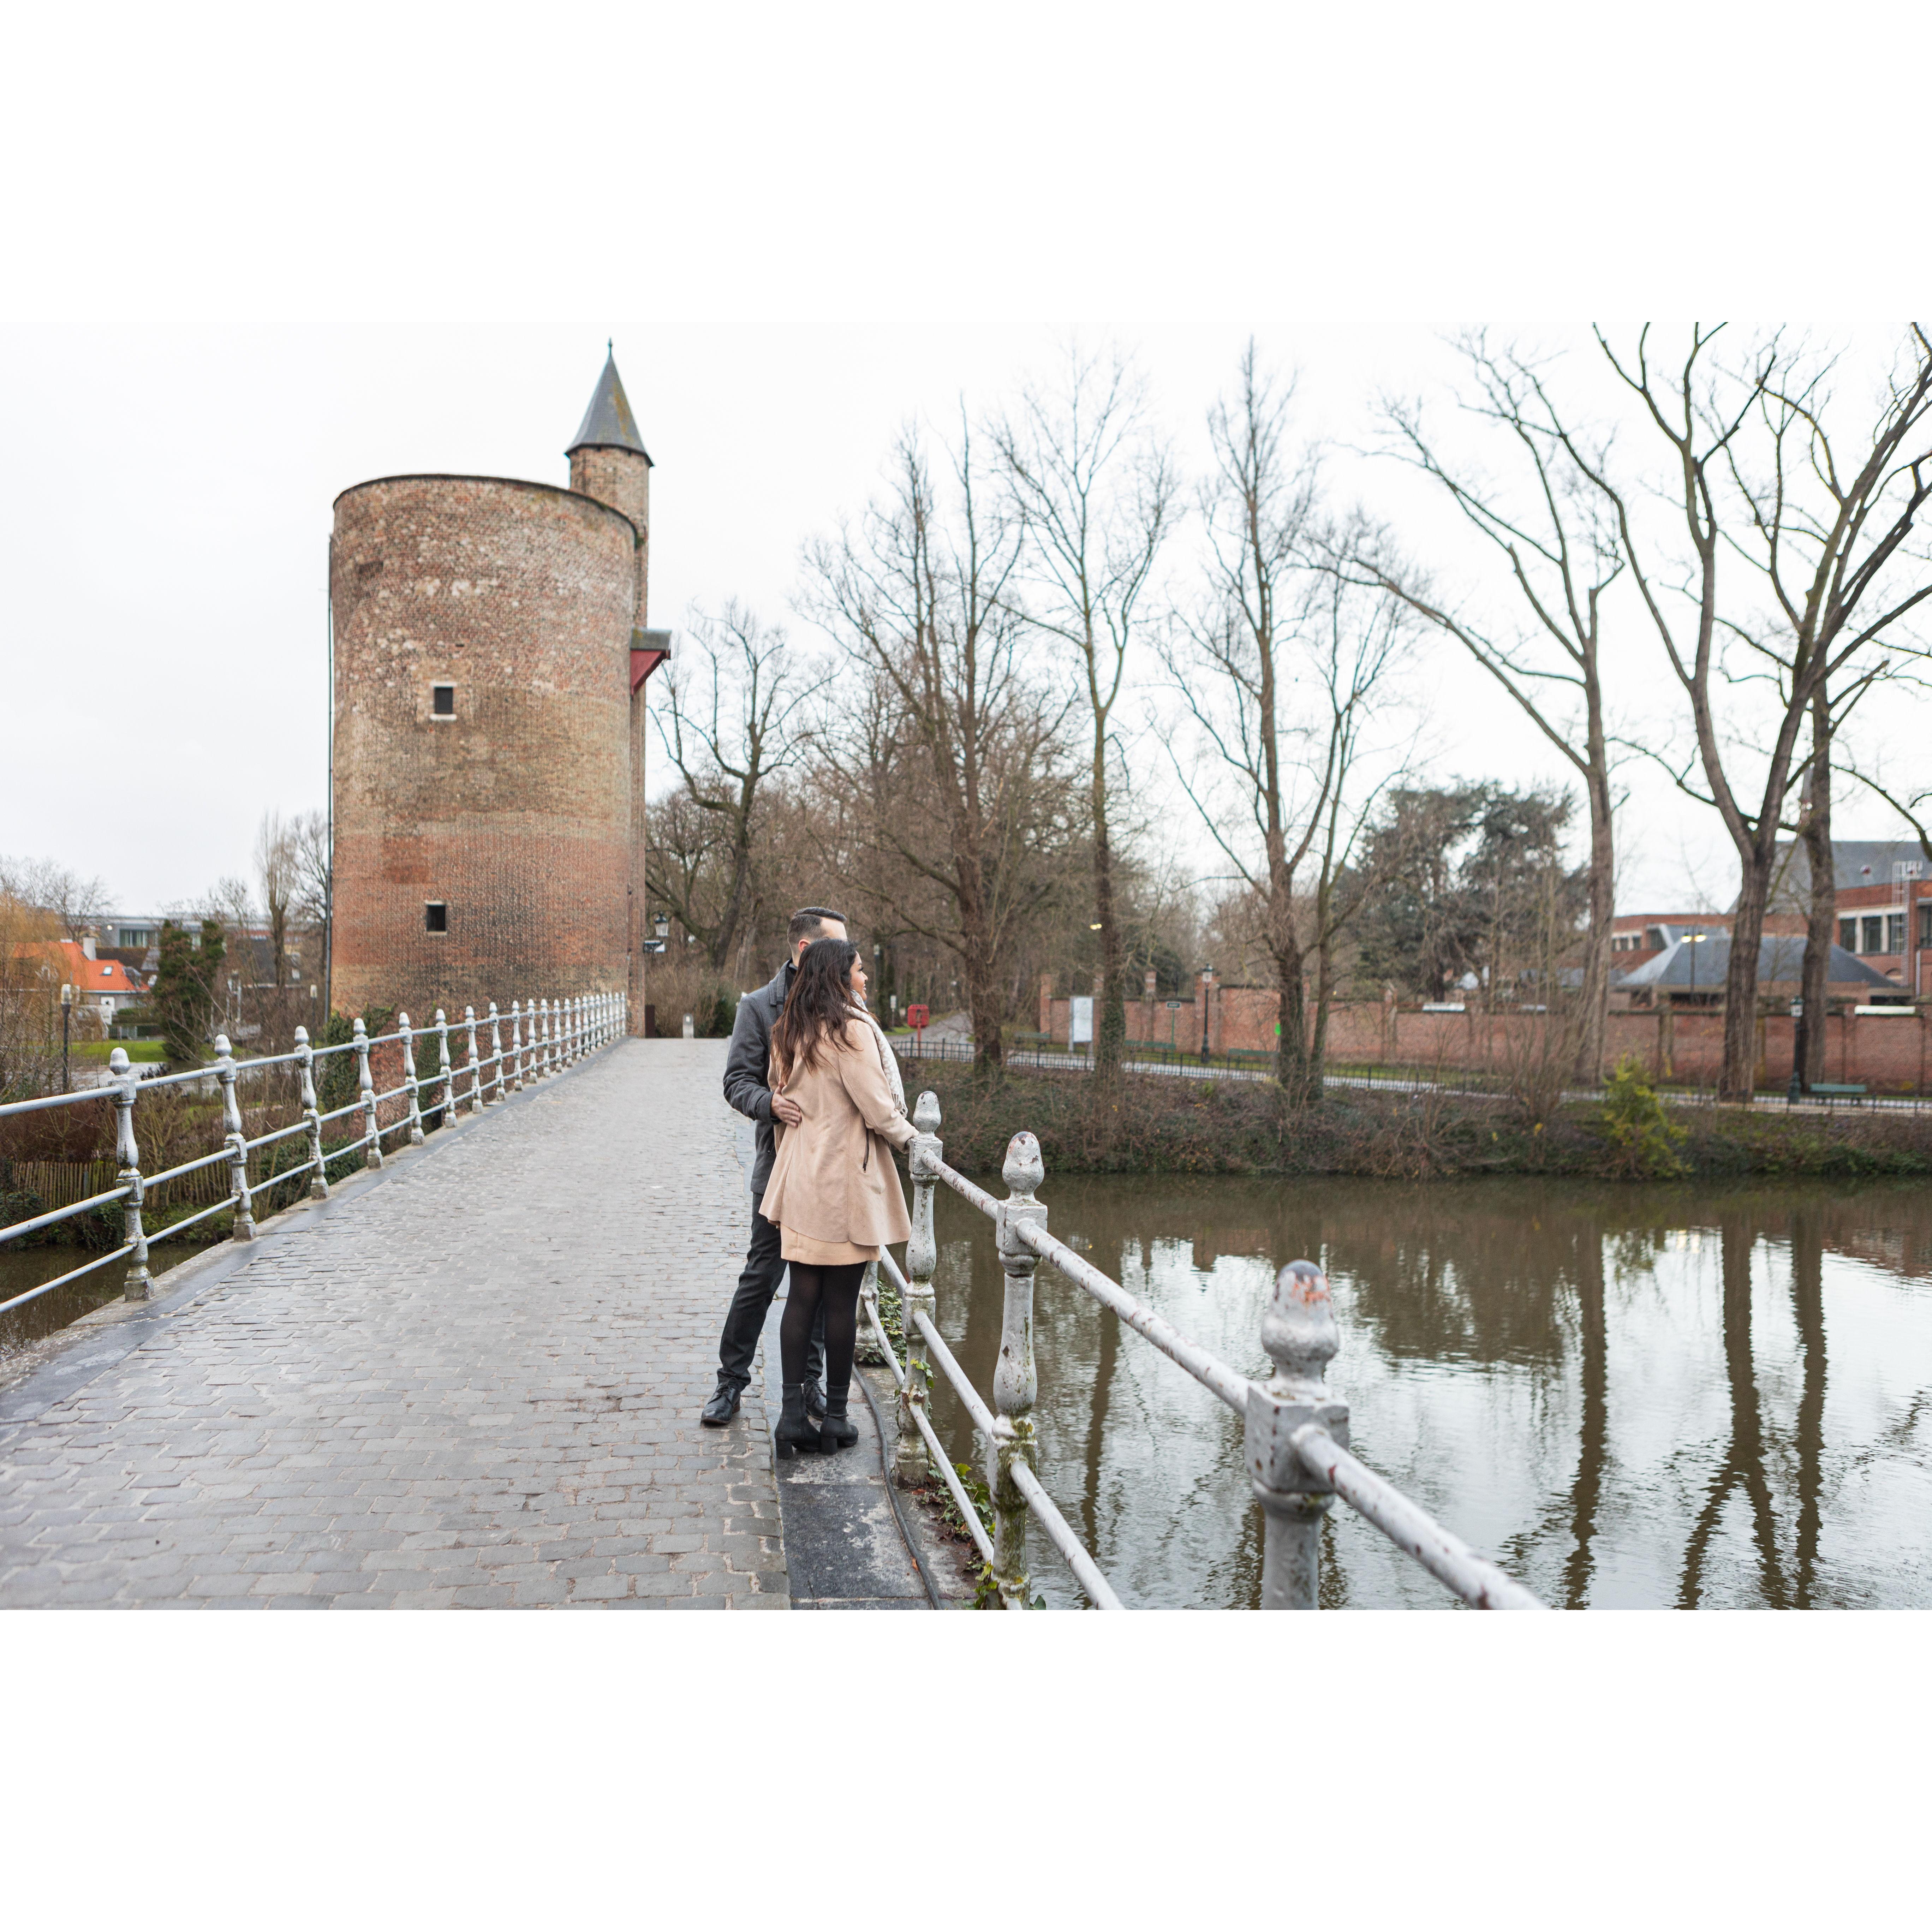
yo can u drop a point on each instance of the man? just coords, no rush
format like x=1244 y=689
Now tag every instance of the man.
x=745 y=1072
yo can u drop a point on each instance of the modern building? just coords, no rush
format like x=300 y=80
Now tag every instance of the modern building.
x=1883 y=892
x=1690 y=969
x=487 y=763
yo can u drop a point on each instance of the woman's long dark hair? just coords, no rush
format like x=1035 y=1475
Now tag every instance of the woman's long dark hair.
x=819 y=1006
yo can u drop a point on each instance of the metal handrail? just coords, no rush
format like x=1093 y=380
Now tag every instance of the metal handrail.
x=545 y=1036
x=1296 y=1428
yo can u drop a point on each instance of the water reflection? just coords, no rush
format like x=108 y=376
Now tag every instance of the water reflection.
x=1623 y=1392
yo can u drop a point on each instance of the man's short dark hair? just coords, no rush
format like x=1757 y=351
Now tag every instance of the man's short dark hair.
x=808 y=922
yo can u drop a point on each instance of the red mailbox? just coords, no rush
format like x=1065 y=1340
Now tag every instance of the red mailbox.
x=918 y=1019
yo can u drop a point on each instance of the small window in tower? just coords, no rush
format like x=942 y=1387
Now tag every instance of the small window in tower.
x=436 y=916
x=442 y=701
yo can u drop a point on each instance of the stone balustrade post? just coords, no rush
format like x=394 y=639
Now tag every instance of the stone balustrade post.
x=496 y=1054
x=445 y=1074
x=318 y=1186
x=238 y=1140
x=909 y=1459
x=1298 y=1331
x=138 y=1285
x=412 y=1086
x=371 y=1134
x=474 y=1069
x=1016 y=1379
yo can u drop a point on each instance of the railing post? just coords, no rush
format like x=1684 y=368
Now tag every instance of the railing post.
x=516 y=1047
x=238 y=1140
x=318 y=1186
x=444 y=1073
x=910 y=1459
x=139 y=1285
x=1298 y=1331
x=1015 y=1379
x=540 y=1039
x=370 y=1133
x=496 y=1054
x=474 y=1068
x=409 y=1080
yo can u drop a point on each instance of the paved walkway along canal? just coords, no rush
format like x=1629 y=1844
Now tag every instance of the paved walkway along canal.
x=473 y=1379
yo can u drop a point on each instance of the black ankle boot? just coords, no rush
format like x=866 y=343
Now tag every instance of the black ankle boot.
x=794 y=1431
x=835 y=1432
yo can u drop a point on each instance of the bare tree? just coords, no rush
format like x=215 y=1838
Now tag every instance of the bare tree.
x=1561 y=544
x=312 y=906
x=1270 y=613
x=734 y=699
x=947 y=753
x=1821 y=520
x=275 y=876
x=1095 y=493
x=75 y=904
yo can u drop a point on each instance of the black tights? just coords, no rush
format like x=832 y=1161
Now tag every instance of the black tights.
x=837 y=1290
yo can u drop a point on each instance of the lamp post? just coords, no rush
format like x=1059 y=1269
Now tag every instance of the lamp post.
x=1797 y=1086
x=67 y=1014
x=1207 y=996
x=1693 y=941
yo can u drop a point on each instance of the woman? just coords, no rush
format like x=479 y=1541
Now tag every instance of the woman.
x=834 y=1191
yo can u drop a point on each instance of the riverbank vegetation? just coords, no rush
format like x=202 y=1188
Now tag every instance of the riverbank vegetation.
x=1156 y=1124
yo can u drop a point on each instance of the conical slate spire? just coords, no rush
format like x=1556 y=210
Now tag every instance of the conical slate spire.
x=608 y=423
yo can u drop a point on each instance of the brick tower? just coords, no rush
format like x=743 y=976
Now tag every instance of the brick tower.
x=486 y=766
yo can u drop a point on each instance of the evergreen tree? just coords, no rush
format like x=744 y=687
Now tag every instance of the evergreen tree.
x=185 y=980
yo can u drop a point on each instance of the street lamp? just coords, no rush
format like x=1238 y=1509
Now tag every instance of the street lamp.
x=1207 y=990
x=662 y=926
x=67 y=1014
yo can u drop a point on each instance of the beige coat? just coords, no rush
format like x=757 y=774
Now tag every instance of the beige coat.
x=834 y=1188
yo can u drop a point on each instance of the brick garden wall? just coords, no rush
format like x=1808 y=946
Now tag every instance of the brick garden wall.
x=1888 y=1054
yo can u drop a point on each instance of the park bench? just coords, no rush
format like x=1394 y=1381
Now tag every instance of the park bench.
x=1832 y=1093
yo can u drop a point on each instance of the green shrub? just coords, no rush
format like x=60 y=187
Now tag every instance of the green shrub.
x=1643 y=1137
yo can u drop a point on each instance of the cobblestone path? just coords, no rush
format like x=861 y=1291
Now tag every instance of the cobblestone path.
x=474 y=1380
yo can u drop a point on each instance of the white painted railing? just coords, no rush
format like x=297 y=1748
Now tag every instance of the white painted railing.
x=1297 y=1428
x=545 y=1037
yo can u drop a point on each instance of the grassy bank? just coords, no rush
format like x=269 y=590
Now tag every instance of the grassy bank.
x=1153 y=1125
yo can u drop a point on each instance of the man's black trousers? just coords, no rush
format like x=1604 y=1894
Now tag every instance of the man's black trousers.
x=764 y=1269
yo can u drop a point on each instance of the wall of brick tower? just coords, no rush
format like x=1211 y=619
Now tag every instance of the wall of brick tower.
x=517 y=813
x=622 y=478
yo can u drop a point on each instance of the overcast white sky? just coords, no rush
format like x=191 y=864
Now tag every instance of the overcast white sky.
x=255 y=256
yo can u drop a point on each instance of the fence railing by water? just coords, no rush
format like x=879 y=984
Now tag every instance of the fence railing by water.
x=535 y=1040
x=1297 y=1427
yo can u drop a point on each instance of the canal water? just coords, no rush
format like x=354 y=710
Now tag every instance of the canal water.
x=23 y=1268
x=1633 y=1396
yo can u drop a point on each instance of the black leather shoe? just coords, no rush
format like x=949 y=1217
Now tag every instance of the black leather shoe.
x=837 y=1431
x=815 y=1401
x=722 y=1406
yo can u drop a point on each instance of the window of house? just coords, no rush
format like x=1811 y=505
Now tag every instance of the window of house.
x=1874 y=934
x=436 y=916
x=1894 y=932
x=1924 y=927
x=442 y=701
x=1848 y=933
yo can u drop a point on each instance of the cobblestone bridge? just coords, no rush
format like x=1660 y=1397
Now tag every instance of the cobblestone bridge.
x=473 y=1378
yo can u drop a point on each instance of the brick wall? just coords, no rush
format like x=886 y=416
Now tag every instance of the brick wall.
x=1888 y=1054
x=517 y=813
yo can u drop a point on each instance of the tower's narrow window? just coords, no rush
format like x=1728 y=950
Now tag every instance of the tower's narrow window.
x=442 y=701
x=436 y=916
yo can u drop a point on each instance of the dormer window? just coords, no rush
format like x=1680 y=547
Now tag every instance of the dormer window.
x=436 y=916
x=442 y=701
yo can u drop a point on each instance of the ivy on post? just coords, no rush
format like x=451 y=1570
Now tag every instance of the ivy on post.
x=909 y=1459
x=1298 y=1331
x=474 y=1069
x=318 y=1186
x=372 y=1139
x=1015 y=1379
x=238 y=1140
x=138 y=1285
x=411 y=1085
x=445 y=1074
